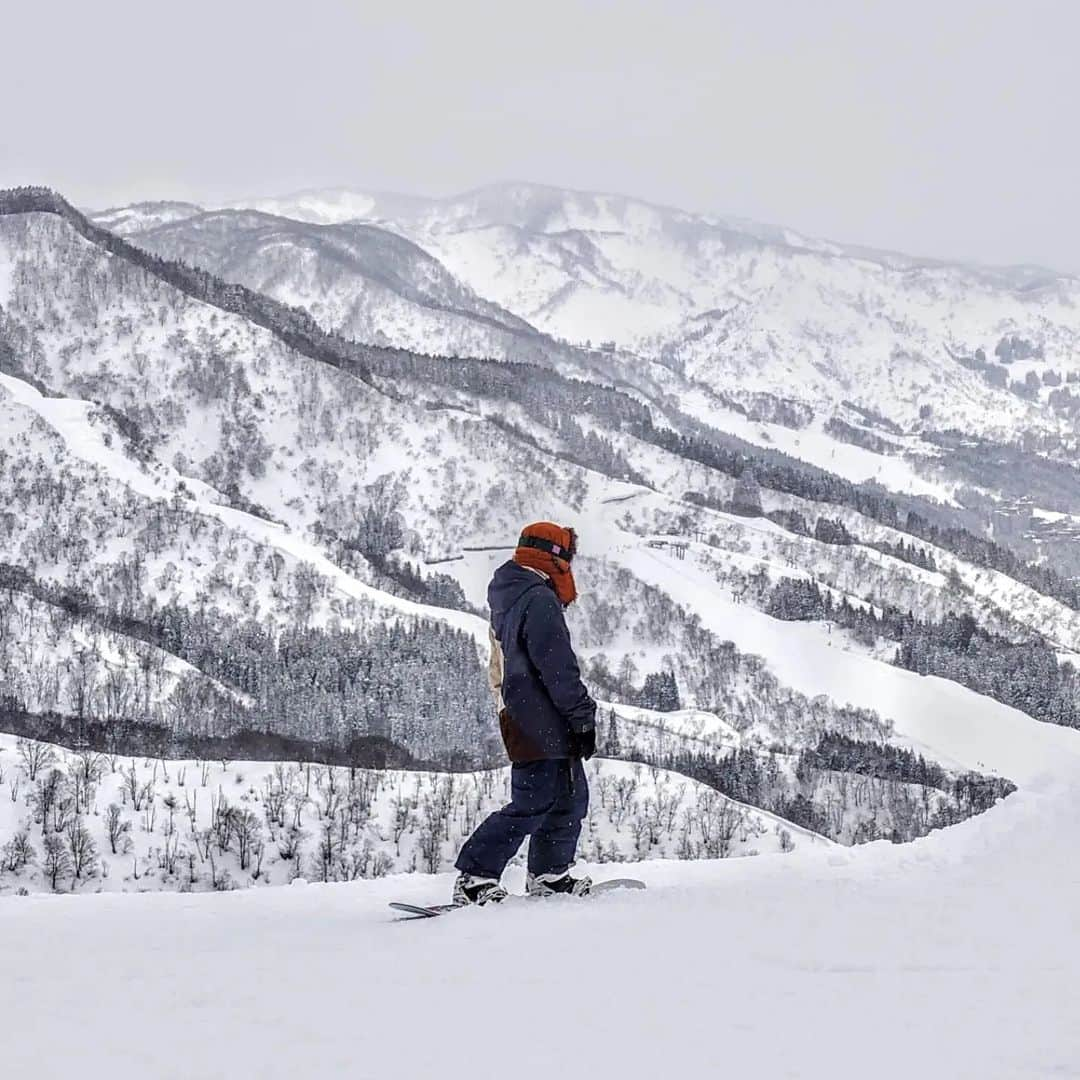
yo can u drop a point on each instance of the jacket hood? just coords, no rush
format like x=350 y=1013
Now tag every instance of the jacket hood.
x=509 y=583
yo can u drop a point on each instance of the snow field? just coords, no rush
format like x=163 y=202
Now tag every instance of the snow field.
x=955 y=953
x=940 y=718
x=813 y=965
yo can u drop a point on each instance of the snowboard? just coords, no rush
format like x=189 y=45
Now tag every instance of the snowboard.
x=417 y=911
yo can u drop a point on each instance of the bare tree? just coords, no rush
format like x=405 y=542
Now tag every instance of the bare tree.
x=298 y=800
x=248 y=831
x=149 y=806
x=48 y=791
x=117 y=830
x=191 y=808
x=290 y=847
x=327 y=851
x=17 y=852
x=275 y=797
x=401 y=821
x=431 y=838
x=727 y=819
x=82 y=848
x=134 y=788
x=86 y=772
x=170 y=853
x=258 y=849
x=63 y=805
x=204 y=839
x=35 y=756
x=57 y=862
x=170 y=802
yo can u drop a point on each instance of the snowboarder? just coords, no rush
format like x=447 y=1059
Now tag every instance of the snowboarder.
x=547 y=719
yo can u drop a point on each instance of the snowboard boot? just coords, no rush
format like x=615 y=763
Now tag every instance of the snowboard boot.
x=474 y=890
x=556 y=884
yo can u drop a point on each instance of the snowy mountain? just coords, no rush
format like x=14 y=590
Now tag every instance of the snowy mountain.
x=958 y=383
x=366 y=283
x=872 y=365
x=748 y=308
x=239 y=535
x=128 y=220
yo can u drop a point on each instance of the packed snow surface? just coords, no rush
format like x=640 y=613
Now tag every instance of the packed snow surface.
x=953 y=956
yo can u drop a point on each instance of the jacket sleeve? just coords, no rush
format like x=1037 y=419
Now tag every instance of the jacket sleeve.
x=547 y=643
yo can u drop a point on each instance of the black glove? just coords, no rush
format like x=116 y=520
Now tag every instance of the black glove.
x=583 y=743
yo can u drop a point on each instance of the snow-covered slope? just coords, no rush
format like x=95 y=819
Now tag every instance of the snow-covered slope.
x=748 y=309
x=171 y=467
x=367 y=283
x=257 y=495
x=957 y=951
x=272 y=823
x=128 y=220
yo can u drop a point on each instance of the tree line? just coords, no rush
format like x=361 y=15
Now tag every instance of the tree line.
x=418 y=685
x=847 y=789
x=1025 y=675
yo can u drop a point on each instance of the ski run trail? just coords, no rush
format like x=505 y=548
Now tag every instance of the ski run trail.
x=954 y=956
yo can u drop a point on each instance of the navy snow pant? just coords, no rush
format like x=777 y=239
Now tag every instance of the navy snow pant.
x=548 y=800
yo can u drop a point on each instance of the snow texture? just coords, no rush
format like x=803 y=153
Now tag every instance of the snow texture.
x=953 y=956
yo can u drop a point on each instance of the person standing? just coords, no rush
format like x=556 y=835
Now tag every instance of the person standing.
x=547 y=720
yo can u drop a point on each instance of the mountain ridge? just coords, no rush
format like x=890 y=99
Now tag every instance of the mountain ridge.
x=349 y=276
x=293 y=326
x=382 y=199
x=806 y=319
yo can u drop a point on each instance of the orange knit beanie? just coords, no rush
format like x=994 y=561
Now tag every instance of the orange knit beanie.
x=550 y=548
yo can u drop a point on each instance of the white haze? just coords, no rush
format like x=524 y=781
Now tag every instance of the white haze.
x=935 y=129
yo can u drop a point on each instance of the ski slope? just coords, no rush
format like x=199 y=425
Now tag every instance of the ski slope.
x=934 y=716
x=70 y=419
x=954 y=956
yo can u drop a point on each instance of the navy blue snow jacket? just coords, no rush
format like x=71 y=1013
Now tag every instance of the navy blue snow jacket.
x=542 y=690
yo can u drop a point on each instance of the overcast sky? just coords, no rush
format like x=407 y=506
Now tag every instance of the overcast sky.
x=946 y=128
